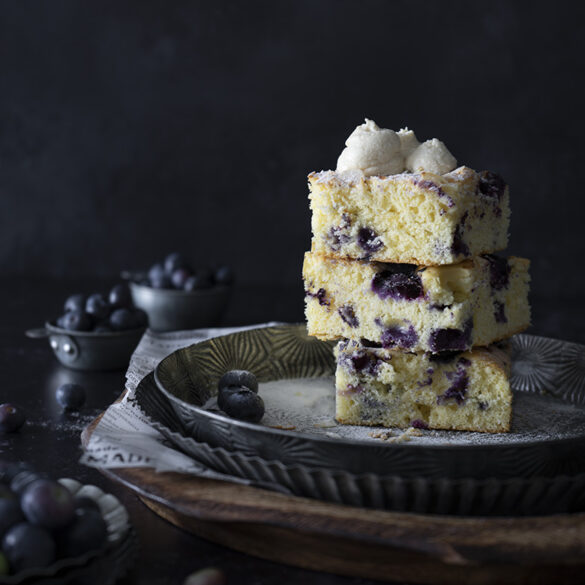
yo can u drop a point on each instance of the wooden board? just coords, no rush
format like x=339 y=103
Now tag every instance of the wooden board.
x=382 y=545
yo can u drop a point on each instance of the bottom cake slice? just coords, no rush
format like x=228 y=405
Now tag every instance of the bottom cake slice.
x=460 y=391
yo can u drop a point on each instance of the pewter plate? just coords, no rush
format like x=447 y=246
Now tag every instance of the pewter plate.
x=548 y=428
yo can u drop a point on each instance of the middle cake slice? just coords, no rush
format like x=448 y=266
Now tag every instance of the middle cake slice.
x=436 y=308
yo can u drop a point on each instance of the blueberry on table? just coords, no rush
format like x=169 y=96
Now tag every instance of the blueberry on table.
x=238 y=378
x=27 y=546
x=47 y=503
x=70 y=396
x=11 y=418
x=77 y=321
x=243 y=404
x=120 y=296
x=223 y=275
x=174 y=261
x=87 y=532
x=97 y=306
x=75 y=303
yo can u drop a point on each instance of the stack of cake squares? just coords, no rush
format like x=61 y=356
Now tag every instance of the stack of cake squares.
x=403 y=273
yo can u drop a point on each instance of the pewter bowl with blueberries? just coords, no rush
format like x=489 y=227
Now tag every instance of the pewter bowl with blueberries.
x=177 y=296
x=96 y=332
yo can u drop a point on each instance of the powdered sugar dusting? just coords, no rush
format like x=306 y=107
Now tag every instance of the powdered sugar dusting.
x=308 y=406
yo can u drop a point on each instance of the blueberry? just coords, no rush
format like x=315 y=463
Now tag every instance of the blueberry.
x=122 y=319
x=223 y=275
x=120 y=296
x=156 y=271
x=243 y=404
x=11 y=418
x=399 y=282
x=197 y=282
x=97 y=306
x=27 y=546
x=179 y=277
x=102 y=328
x=47 y=503
x=174 y=261
x=238 y=378
x=347 y=314
x=70 y=396
x=87 y=532
x=77 y=321
x=161 y=281
x=368 y=240
x=60 y=321
x=25 y=478
x=75 y=303
x=10 y=515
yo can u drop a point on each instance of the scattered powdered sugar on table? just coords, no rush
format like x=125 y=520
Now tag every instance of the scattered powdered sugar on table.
x=307 y=405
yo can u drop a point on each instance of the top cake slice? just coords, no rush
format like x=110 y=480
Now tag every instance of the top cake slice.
x=418 y=218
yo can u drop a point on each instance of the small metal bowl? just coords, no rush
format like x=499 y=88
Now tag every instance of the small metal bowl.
x=173 y=310
x=88 y=350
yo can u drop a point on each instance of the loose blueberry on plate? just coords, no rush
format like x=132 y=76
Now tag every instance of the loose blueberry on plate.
x=242 y=403
x=238 y=378
x=70 y=396
x=75 y=303
x=11 y=418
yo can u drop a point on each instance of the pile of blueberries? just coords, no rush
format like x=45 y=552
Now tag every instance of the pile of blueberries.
x=102 y=314
x=41 y=521
x=237 y=396
x=177 y=273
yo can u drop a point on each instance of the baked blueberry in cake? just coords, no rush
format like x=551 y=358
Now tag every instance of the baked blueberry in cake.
x=453 y=391
x=417 y=308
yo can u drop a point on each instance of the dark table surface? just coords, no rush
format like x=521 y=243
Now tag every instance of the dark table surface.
x=51 y=439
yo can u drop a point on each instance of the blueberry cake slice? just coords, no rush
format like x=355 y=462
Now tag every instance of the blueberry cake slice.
x=419 y=218
x=414 y=308
x=465 y=391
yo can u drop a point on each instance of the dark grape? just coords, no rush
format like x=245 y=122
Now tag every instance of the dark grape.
x=47 y=503
x=11 y=418
x=88 y=531
x=27 y=546
x=10 y=514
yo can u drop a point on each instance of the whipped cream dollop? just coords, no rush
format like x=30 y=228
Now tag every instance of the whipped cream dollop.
x=379 y=151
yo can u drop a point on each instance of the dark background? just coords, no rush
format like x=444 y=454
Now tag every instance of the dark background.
x=131 y=129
